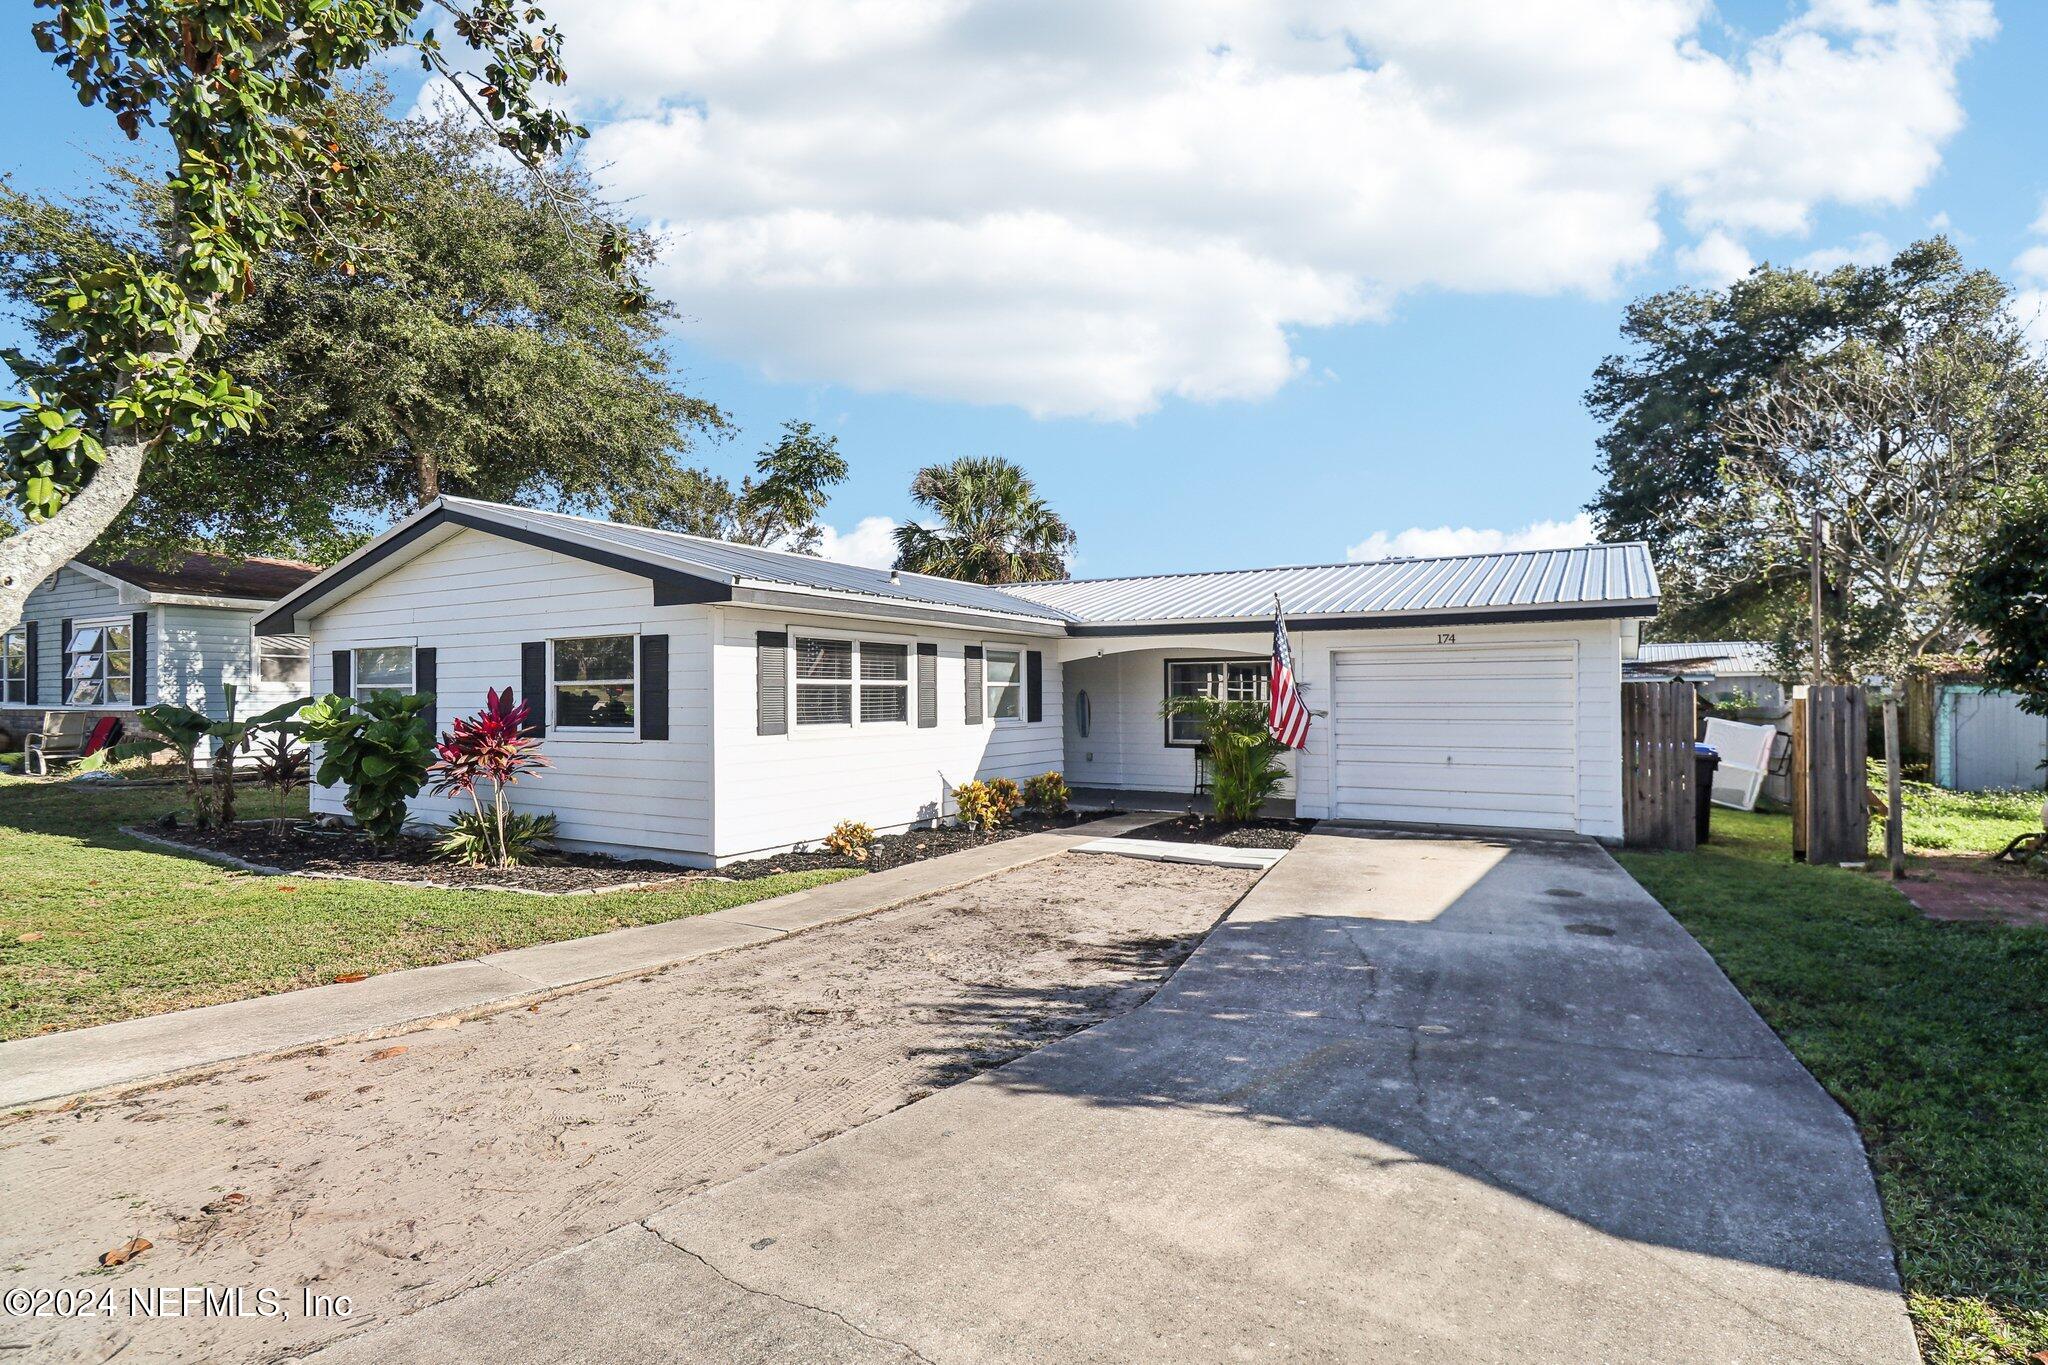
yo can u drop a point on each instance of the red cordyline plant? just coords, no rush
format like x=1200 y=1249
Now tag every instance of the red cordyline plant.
x=490 y=748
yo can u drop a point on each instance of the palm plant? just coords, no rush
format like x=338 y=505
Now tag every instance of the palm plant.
x=1244 y=758
x=992 y=525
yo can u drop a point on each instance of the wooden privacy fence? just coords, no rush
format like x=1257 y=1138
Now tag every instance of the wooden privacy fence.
x=1659 y=721
x=1830 y=781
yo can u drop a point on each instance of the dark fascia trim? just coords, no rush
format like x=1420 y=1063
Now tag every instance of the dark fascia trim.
x=672 y=587
x=1603 y=612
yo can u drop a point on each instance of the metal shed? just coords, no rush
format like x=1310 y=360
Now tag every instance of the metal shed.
x=1984 y=742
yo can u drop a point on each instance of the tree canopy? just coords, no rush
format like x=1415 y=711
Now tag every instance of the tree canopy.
x=2003 y=596
x=778 y=506
x=1892 y=400
x=480 y=339
x=259 y=162
x=992 y=526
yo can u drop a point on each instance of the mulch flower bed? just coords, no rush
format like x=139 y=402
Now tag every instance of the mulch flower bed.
x=1200 y=829
x=296 y=849
x=894 y=850
x=345 y=853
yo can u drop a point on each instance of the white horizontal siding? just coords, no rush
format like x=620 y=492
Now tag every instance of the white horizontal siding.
x=775 y=791
x=68 y=595
x=202 y=648
x=475 y=599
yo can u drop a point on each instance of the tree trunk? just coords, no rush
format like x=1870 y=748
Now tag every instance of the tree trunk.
x=427 y=467
x=31 y=556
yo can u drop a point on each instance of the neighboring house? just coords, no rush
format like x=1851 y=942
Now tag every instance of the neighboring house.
x=1736 y=668
x=104 y=637
x=704 y=702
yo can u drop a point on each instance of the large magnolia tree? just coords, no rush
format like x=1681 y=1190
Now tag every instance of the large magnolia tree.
x=245 y=95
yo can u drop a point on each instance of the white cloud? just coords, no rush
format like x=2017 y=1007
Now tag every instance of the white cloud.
x=2030 y=300
x=1715 y=259
x=1082 y=208
x=871 y=542
x=1869 y=248
x=1467 y=540
x=2040 y=225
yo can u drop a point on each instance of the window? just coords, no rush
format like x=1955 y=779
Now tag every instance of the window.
x=884 y=683
x=102 y=671
x=594 y=679
x=14 y=667
x=1005 y=683
x=1247 y=680
x=839 y=680
x=284 y=659
x=384 y=668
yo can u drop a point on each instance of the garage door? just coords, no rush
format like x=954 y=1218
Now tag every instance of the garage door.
x=1457 y=735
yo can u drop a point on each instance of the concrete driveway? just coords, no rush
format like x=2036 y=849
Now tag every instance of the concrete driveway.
x=1416 y=1099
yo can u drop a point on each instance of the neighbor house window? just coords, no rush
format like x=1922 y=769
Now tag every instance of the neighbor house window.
x=839 y=681
x=1005 y=683
x=594 y=682
x=102 y=671
x=383 y=668
x=284 y=659
x=14 y=667
x=1246 y=680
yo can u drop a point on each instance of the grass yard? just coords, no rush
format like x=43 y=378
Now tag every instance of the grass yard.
x=1933 y=1036
x=95 y=927
x=1939 y=821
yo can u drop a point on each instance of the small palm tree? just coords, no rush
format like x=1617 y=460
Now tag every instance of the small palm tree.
x=993 y=527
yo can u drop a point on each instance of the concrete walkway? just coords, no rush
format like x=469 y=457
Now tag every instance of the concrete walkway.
x=52 y=1066
x=1416 y=1099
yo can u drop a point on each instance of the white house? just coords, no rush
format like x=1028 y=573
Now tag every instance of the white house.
x=106 y=637
x=705 y=702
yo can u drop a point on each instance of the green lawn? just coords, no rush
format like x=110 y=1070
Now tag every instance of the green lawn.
x=1958 y=822
x=1933 y=1036
x=95 y=927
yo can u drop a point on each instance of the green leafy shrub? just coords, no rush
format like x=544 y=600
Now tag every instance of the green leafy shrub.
x=486 y=838
x=1047 y=792
x=183 y=730
x=851 y=839
x=1244 y=758
x=379 y=748
x=987 y=806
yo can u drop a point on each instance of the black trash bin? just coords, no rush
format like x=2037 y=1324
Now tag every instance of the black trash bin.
x=1705 y=759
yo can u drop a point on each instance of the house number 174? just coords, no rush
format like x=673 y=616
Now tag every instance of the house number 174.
x=1445 y=637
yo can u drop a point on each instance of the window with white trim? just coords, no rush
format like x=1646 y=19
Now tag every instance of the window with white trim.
x=14 y=667
x=595 y=680
x=1247 y=680
x=1004 y=679
x=102 y=670
x=284 y=659
x=383 y=668
x=849 y=682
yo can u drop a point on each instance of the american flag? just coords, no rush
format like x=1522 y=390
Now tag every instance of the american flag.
x=1286 y=716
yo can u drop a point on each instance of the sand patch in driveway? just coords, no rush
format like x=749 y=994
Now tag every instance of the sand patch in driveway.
x=398 y=1179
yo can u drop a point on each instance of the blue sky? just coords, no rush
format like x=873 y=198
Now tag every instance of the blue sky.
x=1264 y=304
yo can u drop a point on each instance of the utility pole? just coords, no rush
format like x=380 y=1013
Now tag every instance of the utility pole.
x=1820 y=546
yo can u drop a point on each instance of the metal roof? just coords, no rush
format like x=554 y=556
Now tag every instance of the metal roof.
x=1590 y=576
x=726 y=561
x=1727 y=656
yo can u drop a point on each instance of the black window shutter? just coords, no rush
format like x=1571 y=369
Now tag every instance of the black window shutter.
x=653 y=698
x=927 y=685
x=1034 y=685
x=63 y=661
x=344 y=682
x=974 y=687
x=138 y=645
x=771 y=682
x=533 y=685
x=35 y=663
x=426 y=677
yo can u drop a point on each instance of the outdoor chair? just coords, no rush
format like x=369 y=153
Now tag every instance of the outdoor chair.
x=59 y=742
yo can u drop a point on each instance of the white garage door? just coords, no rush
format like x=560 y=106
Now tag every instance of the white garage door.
x=1457 y=735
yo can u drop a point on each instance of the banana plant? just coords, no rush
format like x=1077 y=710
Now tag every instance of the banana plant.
x=182 y=730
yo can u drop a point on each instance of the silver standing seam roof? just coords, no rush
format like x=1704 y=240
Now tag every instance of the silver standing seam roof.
x=725 y=560
x=1615 y=580
x=1590 y=576
x=1728 y=656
